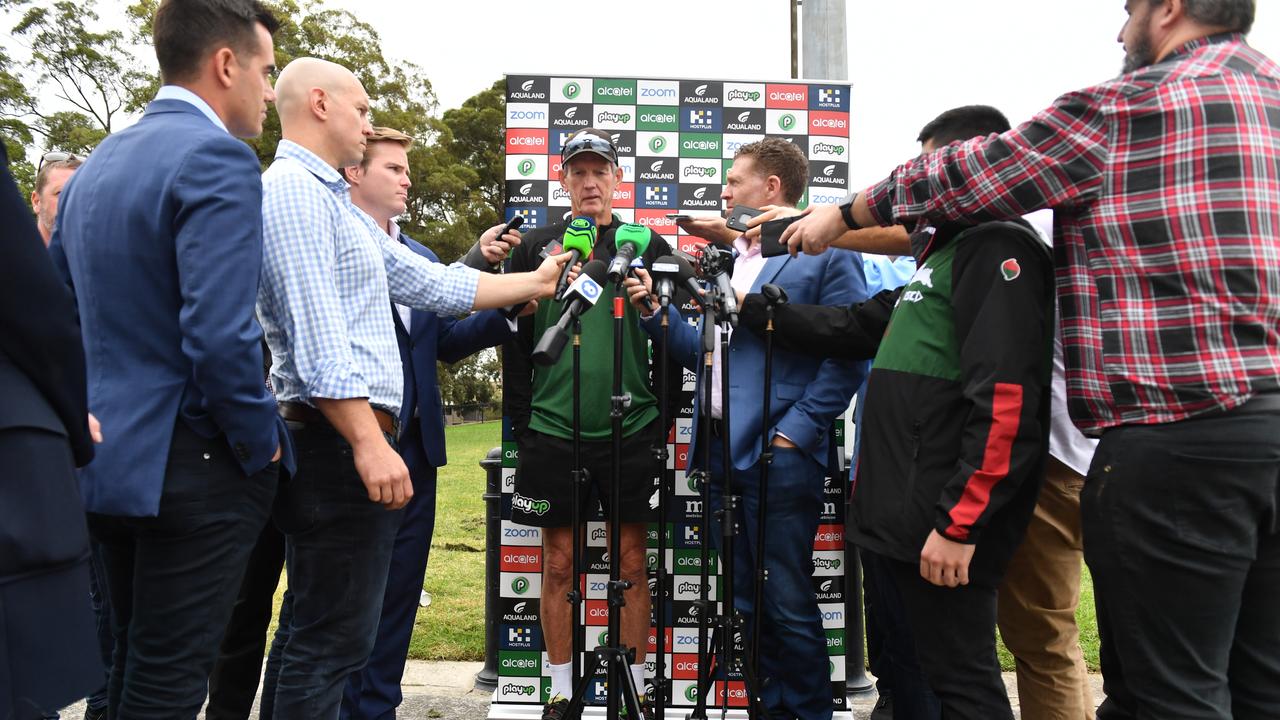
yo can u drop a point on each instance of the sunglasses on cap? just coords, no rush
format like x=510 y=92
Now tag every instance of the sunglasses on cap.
x=588 y=142
x=56 y=156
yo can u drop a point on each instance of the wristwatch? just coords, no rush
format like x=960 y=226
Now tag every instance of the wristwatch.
x=846 y=212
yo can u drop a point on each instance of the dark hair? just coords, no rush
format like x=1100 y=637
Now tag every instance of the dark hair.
x=775 y=156
x=186 y=31
x=963 y=123
x=1232 y=15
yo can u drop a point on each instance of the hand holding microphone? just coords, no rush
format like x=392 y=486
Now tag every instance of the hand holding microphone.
x=579 y=239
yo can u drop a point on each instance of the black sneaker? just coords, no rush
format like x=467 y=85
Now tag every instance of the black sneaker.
x=556 y=709
x=646 y=709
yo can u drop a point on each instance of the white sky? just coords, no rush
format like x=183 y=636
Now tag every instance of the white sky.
x=909 y=59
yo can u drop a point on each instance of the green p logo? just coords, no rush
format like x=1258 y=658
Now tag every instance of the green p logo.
x=787 y=121
x=520 y=585
x=658 y=144
x=526 y=167
x=691 y=693
x=571 y=90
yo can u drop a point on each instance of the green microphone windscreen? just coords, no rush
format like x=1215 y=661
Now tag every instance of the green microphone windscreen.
x=631 y=234
x=580 y=236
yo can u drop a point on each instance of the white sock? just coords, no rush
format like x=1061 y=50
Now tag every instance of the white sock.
x=562 y=680
x=637 y=675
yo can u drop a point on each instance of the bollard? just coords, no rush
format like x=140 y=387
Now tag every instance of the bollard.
x=855 y=658
x=487 y=678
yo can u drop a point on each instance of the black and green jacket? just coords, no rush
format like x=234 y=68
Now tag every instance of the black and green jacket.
x=956 y=420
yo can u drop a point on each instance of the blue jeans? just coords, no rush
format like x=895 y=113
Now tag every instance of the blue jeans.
x=338 y=546
x=793 y=646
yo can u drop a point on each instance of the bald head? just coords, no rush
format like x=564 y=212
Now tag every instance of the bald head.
x=300 y=77
x=324 y=108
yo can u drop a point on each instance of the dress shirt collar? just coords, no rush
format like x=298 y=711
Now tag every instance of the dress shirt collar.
x=746 y=249
x=394 y=231
x=175 y=92
x=323 y=171
x=1193 y=45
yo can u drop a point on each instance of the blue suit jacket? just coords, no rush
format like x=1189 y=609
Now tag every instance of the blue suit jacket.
x=160 y=236
x=806 y=392
x=434 y=337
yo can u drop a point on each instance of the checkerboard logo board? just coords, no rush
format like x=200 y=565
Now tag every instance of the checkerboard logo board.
x=676 y=139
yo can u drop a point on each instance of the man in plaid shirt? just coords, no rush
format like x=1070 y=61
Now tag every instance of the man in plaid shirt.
x=1166 y=188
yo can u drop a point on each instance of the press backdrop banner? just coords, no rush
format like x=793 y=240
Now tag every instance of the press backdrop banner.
x=676 y=140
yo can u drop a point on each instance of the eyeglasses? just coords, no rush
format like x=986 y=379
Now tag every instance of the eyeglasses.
x=589 y=142
x=56 y=156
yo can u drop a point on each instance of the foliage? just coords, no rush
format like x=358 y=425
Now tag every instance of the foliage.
x=89 y=72
x=473 y=380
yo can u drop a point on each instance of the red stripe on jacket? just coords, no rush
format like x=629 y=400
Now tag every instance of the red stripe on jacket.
x=1006 y=412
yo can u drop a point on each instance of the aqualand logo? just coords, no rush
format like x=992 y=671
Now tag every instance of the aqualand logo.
x=829 y=170
x=700 y=193
x=526 y=188
x=527 y=85
x=571 y=112
x=571 y=90
x=700 y=91
x=526 y=167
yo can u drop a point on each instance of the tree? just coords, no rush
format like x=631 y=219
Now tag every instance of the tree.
x=399 y=93
x=458 y=179
x=91 y=75
x=473 y=380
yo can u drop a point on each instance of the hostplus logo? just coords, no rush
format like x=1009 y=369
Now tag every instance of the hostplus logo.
x=829 y=96
x=657 y=194
x=571 y=90
x=701 y=120
x=787 y=122
x=526 y=167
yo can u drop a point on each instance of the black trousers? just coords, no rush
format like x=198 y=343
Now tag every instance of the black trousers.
x=234 y=681
x=172 y=578
x=1181 y=529
x=955 y=638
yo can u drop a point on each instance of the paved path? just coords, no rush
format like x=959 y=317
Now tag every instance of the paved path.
x=445 y=691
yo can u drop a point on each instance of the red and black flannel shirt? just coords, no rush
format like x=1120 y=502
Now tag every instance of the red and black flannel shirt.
x=1165 y=184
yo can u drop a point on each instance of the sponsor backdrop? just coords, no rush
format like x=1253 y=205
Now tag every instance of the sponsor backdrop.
x=676 y=139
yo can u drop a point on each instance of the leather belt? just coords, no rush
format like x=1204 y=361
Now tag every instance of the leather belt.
x=303 y=413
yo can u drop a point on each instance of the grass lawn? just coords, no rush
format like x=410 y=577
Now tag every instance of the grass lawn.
x=453 y=627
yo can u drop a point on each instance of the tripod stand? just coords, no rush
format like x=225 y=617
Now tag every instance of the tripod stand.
x=727 y=623
x=615 y=656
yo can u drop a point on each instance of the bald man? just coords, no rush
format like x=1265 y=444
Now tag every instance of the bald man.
x=328 y=280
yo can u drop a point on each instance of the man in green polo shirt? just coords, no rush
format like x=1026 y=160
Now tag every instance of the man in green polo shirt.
x=539 y=402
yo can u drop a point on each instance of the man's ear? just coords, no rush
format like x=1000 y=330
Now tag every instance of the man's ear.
x=318 y=102
x=1169 y=12
x=224 y=67
x=773 y=184
x=354 y=175
x=35 y=202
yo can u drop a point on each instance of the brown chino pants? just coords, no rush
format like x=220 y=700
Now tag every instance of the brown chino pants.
x=1037 y=604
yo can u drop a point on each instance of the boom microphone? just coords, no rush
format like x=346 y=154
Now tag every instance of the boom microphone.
x=579 y=239
x=670 y=272
x=631 y=241
x=578 y=298
x=717 y=266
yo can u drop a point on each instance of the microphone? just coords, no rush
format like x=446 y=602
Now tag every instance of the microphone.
x=717 y=266
x=670 y=272
x=631 y=241
x=578 y=298
x=579 y=239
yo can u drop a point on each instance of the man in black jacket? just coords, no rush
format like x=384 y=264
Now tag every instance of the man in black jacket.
x=48 y=646
x=953 y=444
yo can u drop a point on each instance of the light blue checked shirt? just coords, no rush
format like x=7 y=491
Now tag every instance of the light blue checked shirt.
x=327 y=273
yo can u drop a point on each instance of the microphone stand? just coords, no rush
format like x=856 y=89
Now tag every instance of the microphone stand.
x=662 y=684
x=579 y=481
x=729 y=622
x=773 y=296
x=614 y=656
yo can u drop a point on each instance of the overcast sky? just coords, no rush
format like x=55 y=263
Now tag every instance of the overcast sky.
x=908 y=59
